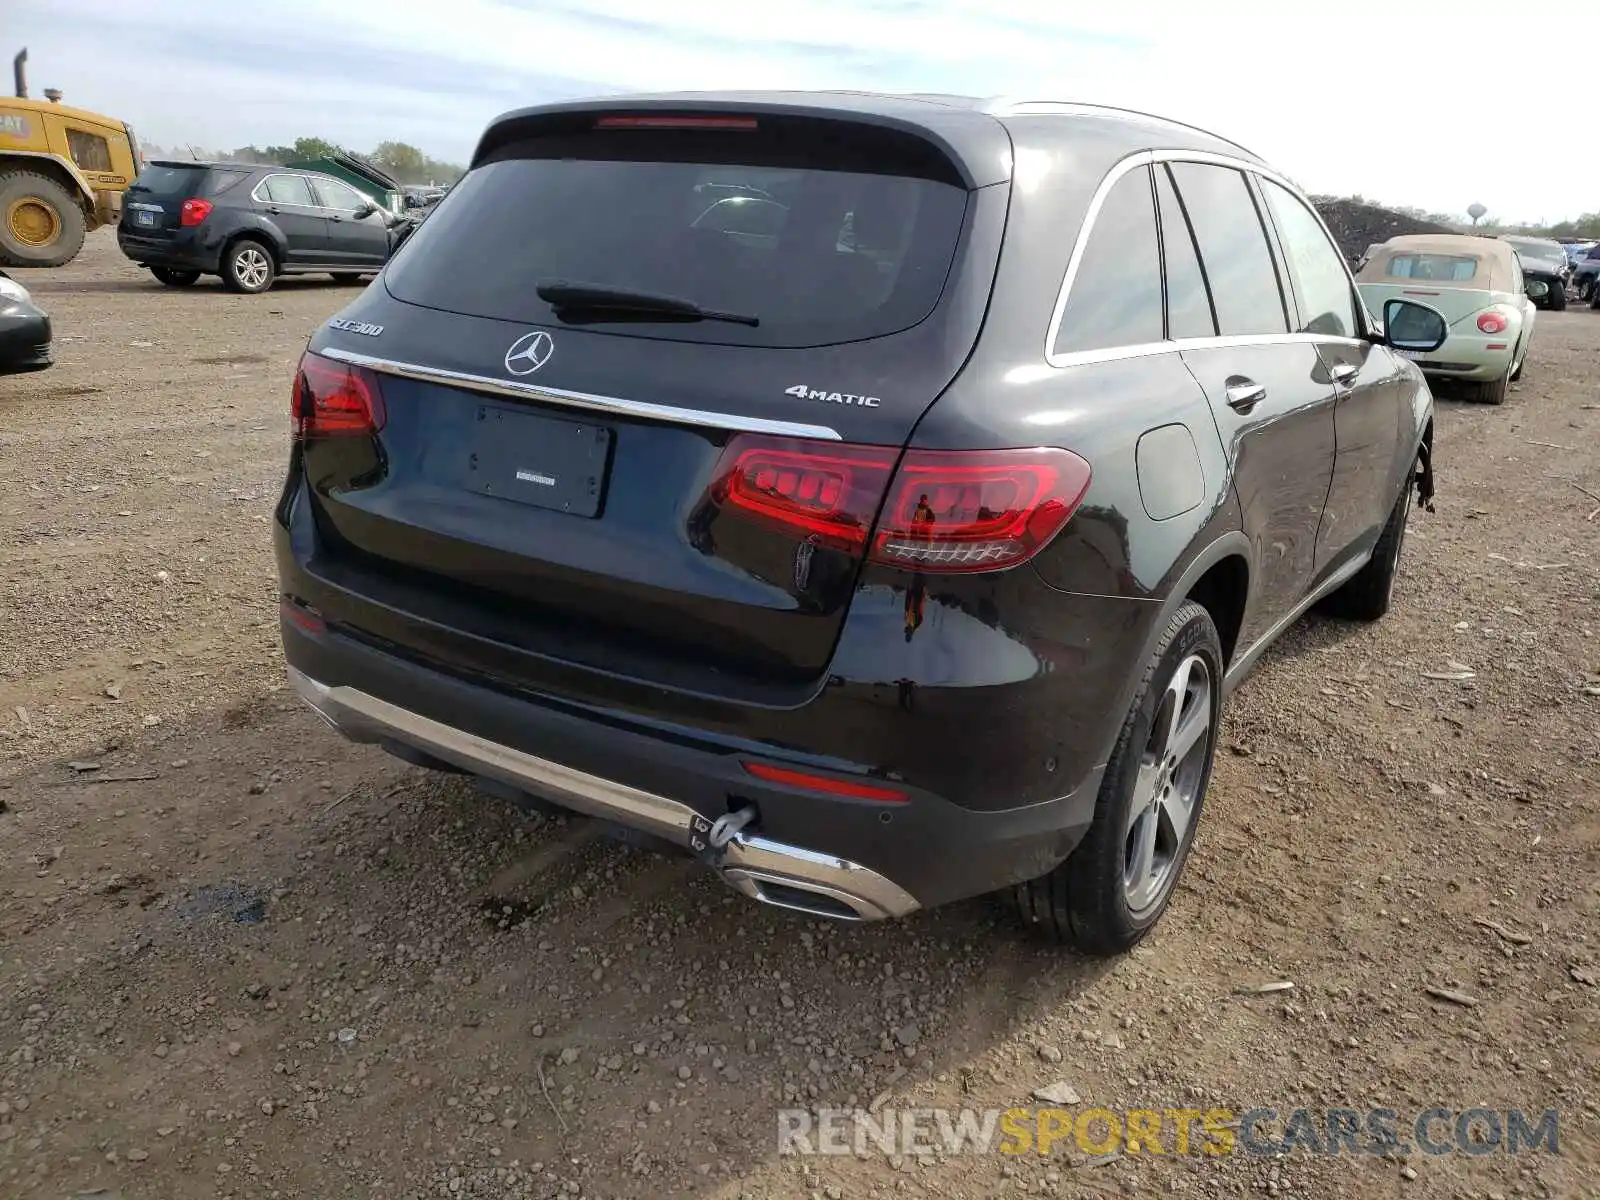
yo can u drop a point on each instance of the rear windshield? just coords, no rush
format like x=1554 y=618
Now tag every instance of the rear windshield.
x=1436 y=268
x=815 y=253
x=186 y=181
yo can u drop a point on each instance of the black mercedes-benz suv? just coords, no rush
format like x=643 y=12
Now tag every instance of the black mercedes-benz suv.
x=874 y=497
x=249 y=225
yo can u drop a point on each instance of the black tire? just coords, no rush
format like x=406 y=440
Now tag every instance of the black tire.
x=1594 y=297
x=175 y=278
x=1522 y=362
x=1085 y=902
x=41 y=223
x=1494 y=392
x=347 y=277
x=1557 y=300
x=248 y=267
x=1370 y=591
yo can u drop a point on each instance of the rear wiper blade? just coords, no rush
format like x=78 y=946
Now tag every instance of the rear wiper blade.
x=560 y=295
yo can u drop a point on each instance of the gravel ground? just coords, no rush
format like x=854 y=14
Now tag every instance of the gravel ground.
x=241 y=957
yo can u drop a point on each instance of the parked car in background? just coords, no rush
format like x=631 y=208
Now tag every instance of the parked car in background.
x=25 y=340
x=1546 y=261
x=250 y=224
x=874 y=571
x=1586 y=271
x=1477 y=284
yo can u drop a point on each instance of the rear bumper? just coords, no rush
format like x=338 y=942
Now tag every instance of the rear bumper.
x=831 y=856
x=193 y=249
x=1470 y=358
x=789 y=876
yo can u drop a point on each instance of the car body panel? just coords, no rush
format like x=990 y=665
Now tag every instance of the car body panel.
x=994 y=694
x=297 y=232
x=25 y=333
x=1496 y=283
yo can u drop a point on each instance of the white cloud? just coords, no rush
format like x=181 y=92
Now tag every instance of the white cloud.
x=1423 y=102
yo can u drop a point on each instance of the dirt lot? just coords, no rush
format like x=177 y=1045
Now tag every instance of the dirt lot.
x=243 y=958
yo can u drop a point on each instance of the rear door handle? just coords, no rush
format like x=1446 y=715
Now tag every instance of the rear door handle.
x=1343 y=373
x=1245 y=394
x=335 y=218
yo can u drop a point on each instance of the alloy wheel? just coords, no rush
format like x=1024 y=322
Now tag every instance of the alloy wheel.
x=1166 y=790
x=251 y=266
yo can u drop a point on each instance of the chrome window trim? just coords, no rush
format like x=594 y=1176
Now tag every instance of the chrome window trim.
x=265 y=179
x=1145 y=159
x=563 y=398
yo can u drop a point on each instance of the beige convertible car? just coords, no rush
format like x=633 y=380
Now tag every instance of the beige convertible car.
x=1476 y=283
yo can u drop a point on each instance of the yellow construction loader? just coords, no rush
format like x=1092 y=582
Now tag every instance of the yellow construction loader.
x=62 y=173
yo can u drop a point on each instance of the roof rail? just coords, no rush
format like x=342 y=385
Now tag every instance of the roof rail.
x=1013 y=106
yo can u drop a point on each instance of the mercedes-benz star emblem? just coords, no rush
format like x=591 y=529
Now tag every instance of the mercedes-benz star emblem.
x=530 y=352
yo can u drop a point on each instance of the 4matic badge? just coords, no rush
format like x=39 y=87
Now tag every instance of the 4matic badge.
x=801 y=392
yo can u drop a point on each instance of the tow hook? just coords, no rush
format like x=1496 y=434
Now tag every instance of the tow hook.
x=1425 y=477
x=708 y=839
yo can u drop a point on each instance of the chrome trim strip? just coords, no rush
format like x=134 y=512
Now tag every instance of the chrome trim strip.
x=745 y=860
x=584 y=400
x=1244 y=662
x=1146 y=158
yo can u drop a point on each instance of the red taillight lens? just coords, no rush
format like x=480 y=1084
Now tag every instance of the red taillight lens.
x=826 y=783
x=332 y=399
x=946 y=510
x=194 y=211
x=672 y=122
x=810 y=489
x=1492 y=322
x=963 y=510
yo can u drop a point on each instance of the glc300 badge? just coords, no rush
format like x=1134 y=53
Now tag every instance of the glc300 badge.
x=361 y=327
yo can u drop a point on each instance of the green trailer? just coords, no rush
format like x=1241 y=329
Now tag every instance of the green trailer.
x=377 y=185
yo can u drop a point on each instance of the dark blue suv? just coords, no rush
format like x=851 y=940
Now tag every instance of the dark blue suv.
x=250 y=224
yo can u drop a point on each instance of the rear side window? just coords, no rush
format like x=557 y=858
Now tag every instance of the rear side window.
x=1189 y=312
x=1116 y=294
x=818 y=241
x=1437 y=268
x=1320 y=284
x=287 y=189
x=1233 y=249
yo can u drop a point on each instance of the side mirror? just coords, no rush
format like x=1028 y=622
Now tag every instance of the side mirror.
x=364 y=210
x=1412 y=327
x=1537 y=289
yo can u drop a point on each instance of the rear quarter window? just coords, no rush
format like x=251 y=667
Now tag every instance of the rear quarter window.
x=1116 y=293
x=820 y=243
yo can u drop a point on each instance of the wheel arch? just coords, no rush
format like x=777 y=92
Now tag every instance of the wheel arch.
x=1221 y=572
x=54 y=167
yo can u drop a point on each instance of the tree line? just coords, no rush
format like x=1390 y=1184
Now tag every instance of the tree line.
x=399 y=159
x=1585 y=226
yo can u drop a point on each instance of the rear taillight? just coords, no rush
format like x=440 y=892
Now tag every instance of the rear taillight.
x=962 y=510
x=194 y=211
x=808 y=489
x=941 y=510
x=1492 y=322
x=332 y=399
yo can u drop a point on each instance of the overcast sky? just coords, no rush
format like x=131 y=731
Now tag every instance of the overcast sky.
x=1418 y=102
